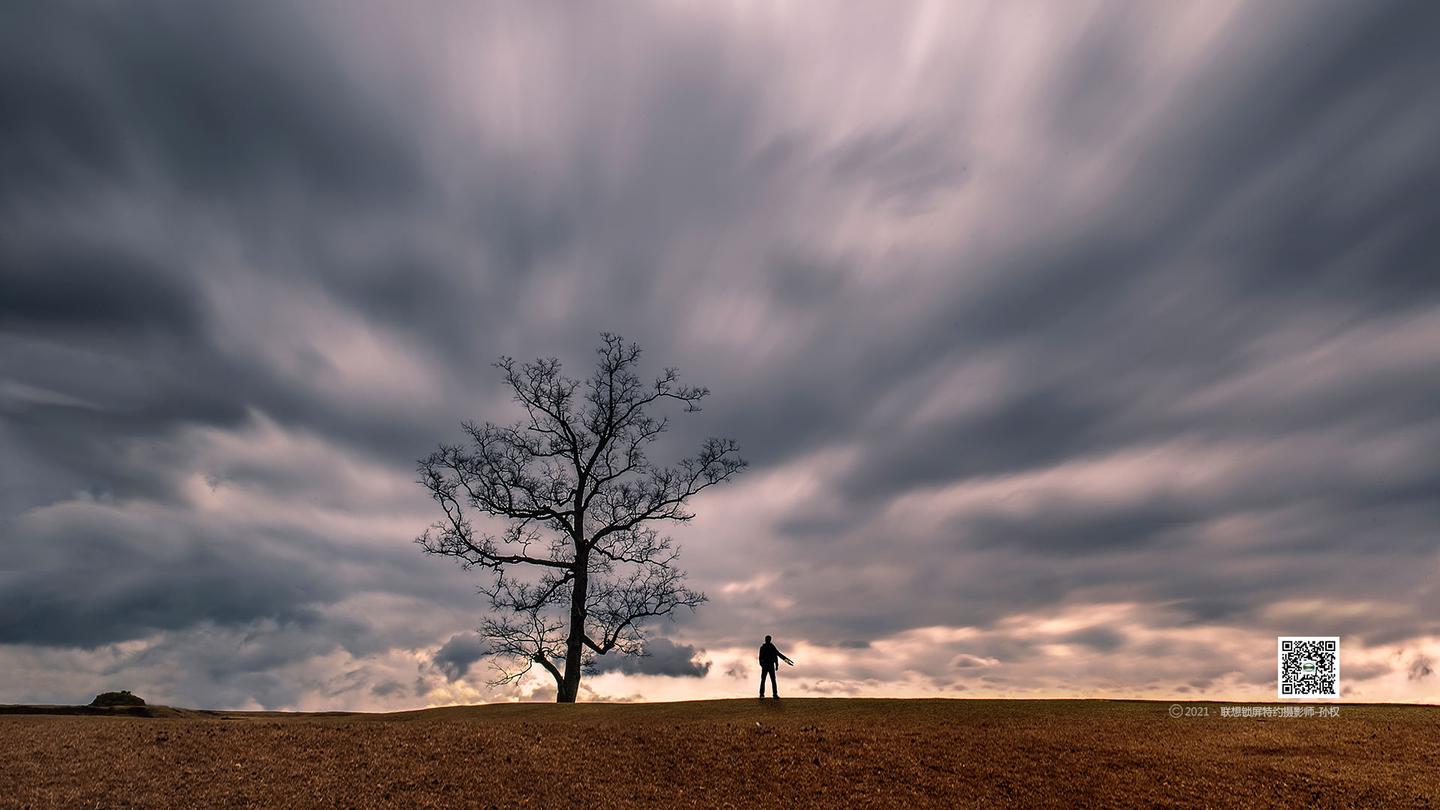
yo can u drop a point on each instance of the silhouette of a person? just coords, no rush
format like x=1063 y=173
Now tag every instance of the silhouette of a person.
x=770 y=658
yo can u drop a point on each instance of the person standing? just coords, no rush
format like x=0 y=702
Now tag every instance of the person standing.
x=770 y=658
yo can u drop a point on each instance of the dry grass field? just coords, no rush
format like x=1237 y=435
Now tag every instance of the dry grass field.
x=741 y=753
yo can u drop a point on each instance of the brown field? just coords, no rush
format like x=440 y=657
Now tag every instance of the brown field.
x=795 y=753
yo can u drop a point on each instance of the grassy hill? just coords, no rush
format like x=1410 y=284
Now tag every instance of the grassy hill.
x=797 y=752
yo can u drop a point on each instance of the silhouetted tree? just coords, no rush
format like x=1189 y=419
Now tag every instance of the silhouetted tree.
x=576 y=559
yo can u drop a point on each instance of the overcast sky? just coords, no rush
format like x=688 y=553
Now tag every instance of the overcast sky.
x=1076 y=348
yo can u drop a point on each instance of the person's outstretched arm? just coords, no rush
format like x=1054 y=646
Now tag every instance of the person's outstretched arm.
x=784 y=658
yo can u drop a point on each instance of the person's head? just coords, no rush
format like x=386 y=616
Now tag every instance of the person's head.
x=767 y=638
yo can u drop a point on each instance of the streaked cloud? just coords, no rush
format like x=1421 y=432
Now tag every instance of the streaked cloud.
x=1077 y=348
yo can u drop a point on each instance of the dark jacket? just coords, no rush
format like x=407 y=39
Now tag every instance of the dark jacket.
x=769 y=656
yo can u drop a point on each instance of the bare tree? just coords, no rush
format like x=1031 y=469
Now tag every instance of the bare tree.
x=577 y=563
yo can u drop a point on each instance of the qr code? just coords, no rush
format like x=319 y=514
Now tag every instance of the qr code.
x=1309 y=666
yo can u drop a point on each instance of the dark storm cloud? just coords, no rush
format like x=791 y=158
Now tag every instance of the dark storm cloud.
x=388 y=689
x=1033 y=429
x=662 y=657
x=307 y=231
x=216 y=97
x=88 y=575
x=455 y=656
x=1062 y=529
x=1420 y=668
x=68 y=286
x=1100 y=638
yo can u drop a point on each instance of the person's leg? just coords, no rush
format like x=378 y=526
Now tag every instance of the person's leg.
x=774 y=687
x=763 y=673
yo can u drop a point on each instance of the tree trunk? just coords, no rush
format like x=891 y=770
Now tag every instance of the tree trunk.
x=575 y=645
